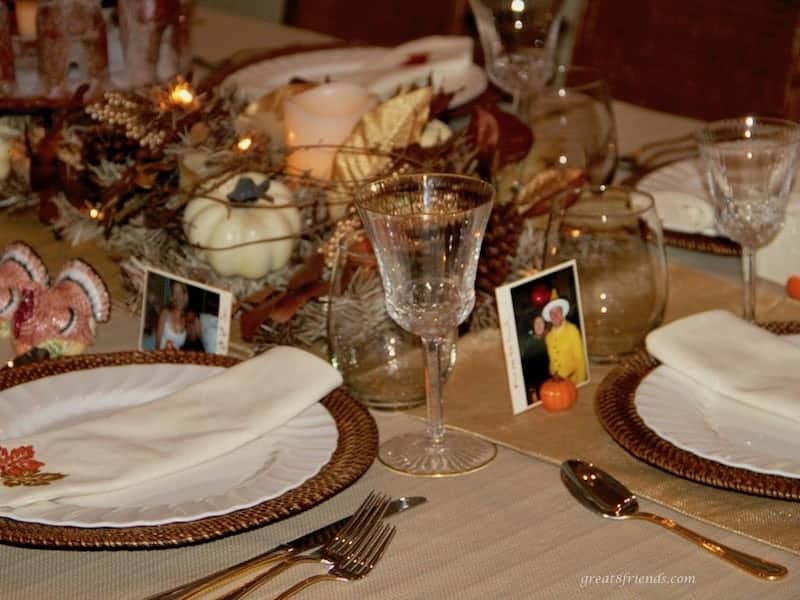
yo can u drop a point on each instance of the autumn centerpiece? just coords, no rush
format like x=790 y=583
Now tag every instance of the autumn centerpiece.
x=251 y=196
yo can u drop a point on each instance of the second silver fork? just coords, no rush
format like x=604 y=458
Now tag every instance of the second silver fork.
x=356 y=565
x=364 y=522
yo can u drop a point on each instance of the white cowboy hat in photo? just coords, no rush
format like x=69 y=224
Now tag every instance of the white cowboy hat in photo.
x=552 y=304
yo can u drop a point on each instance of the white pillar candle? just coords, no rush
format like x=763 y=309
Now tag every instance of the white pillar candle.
x=324 y=115
x=26 y=18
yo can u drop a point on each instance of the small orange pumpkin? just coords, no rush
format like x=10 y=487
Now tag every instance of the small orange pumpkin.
x=558 y=394
x=793 y=287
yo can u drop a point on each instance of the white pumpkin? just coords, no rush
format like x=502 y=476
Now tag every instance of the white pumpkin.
x=216 y=223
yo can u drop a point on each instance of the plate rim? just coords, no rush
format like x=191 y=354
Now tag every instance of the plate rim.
x=616 y=411
x=356 y=448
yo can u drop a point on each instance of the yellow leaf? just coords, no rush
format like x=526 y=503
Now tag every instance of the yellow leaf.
x=396 y=123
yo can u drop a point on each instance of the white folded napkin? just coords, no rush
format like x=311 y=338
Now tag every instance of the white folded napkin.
x=167 y=435
x=733 y=357
x=445 y=59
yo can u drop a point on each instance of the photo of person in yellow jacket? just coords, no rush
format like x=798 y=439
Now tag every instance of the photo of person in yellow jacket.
x=563 y=340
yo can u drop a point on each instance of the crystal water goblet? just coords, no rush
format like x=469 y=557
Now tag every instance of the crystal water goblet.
x=426 y=231
x=749 y=164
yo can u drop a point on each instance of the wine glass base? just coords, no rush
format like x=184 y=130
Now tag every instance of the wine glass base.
x=417 y=454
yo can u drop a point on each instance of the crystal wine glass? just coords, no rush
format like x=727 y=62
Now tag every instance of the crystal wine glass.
x=519 y=44
x=749 y=165
x=426 y=231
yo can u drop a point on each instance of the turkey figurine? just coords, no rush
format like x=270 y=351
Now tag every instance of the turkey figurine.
x=21 y=270
x=62 y=318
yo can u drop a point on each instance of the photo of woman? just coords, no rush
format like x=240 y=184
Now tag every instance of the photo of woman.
x=183 y=315
x=177 y=325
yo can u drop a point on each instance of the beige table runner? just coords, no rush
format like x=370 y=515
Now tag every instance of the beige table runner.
x=477 y=399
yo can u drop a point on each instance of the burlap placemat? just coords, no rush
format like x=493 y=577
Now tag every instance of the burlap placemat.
x=477 y=400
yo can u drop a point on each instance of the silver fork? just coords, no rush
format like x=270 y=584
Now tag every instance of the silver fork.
x=654 y=154
x=357 y=565
x=364 y=522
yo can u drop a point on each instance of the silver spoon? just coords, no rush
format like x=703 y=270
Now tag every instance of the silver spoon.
x=601 y=493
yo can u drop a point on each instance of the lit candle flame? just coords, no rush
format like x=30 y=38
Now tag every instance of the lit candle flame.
x=244 y=143
x=182 y=95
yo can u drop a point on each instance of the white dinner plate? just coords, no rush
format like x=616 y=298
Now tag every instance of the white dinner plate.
x=320 y=65
x=683 y=178
x=716 y=427
x=256 y=472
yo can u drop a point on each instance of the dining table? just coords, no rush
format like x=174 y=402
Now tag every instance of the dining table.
x=509 y=530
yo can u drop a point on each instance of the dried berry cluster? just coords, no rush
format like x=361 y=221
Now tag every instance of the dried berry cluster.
x=130 y=116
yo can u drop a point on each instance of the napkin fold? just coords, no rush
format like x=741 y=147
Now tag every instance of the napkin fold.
x=446 y=60
x=733 y=357
x=200 y=422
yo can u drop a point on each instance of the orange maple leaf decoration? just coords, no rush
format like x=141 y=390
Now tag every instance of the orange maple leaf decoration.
x=18 y=461
x=18 y=467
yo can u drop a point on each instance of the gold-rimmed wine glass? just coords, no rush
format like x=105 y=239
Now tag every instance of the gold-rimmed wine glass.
x=426 y=231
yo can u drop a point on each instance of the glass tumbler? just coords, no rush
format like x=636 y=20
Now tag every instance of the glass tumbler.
x=573 y=124
x=614 y=235
x=381 y=363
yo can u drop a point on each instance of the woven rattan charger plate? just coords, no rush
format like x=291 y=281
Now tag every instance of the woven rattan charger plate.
x=355 y=451
x=617 y=413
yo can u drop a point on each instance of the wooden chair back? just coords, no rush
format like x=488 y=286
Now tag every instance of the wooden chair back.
x=379 y=22
x=707 y=59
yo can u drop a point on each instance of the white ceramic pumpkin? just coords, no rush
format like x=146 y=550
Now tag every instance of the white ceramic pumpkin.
x=213 y=222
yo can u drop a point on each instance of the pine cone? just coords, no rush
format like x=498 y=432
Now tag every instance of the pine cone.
x=499 y=244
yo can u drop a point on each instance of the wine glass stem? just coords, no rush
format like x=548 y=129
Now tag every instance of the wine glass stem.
x=433 y=387
x=748 y=274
